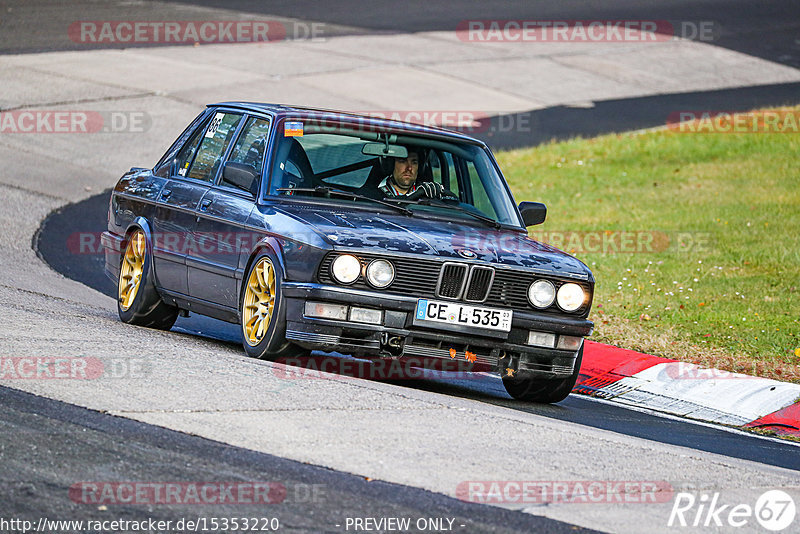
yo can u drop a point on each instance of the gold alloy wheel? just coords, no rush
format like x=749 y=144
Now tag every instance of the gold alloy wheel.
x=259 y=302
x=130 y=275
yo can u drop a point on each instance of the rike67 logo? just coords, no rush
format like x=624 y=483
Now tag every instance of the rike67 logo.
x=774 y=510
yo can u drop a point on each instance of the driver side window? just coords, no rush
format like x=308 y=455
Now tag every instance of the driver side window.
x=444 y=170
x=480 y=198
x=250 y=146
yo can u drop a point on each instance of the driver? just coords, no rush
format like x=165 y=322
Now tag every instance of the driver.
x=403 y=180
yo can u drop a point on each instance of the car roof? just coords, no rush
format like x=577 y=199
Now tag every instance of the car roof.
x=283 y=111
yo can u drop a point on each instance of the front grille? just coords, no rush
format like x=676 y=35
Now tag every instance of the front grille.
x=480 y=281
x=426 y=350
x=312 y=337
x=420 y=278
x=451 y=280
x=510 y=289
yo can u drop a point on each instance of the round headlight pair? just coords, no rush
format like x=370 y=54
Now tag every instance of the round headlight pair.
x=346 y=269
x=542 y=293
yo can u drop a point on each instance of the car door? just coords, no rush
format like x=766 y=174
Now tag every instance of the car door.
x=219 y=220
x=174 y=217
x=192 y=174
x=220 y=231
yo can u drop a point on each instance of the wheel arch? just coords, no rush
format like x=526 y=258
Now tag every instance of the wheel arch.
x=269 y=245
x=141 y=223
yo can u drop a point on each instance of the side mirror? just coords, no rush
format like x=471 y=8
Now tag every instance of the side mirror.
x=533 y=213
x=241 y=175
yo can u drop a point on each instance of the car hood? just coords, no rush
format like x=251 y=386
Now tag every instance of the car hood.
x=377 y=233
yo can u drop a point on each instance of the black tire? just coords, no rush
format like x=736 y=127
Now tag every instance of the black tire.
x=147 y=308
x=273 y=344
x=543 y=390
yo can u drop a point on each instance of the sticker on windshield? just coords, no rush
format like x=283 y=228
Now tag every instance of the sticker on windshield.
x=214 y=124
x=293 y=129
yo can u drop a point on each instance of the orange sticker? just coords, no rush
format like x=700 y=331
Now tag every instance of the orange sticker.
x=293 y=129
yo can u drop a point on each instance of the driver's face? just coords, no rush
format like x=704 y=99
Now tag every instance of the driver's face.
x=405 y=170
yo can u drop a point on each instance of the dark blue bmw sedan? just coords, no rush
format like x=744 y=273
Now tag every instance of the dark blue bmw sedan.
x=322 y=230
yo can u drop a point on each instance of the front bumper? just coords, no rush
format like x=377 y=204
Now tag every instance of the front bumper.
x=399 y=337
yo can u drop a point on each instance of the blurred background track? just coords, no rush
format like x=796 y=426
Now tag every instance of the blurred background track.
x=768 y=30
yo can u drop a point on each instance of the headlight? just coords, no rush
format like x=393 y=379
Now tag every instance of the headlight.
x=345 y=269
x=380 y=273
x=542 y=293
x=570 y=297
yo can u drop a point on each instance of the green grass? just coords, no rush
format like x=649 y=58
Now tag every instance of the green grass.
x=732 y=298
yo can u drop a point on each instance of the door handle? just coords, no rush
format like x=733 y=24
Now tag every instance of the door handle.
x=166 y=194
x=204 y=204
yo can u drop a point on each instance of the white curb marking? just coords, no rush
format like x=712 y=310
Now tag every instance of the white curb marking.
x=706 y=394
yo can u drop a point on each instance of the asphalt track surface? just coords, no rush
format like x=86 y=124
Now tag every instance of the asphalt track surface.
x=66 y=444
x=89 y=218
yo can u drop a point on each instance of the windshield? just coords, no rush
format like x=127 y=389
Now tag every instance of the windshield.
x=314 y=157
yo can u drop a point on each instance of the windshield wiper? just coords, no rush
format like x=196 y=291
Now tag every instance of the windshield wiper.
x=442 y=204
x=328 y=192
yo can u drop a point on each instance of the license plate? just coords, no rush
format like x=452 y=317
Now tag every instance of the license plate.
x=453 y=313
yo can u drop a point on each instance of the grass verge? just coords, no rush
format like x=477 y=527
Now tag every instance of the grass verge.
x=694 y=239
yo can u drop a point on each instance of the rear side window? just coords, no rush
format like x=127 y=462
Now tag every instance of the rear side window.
x=186 y=154
x=214 y=140
x=251 y=144
x=164 y=167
